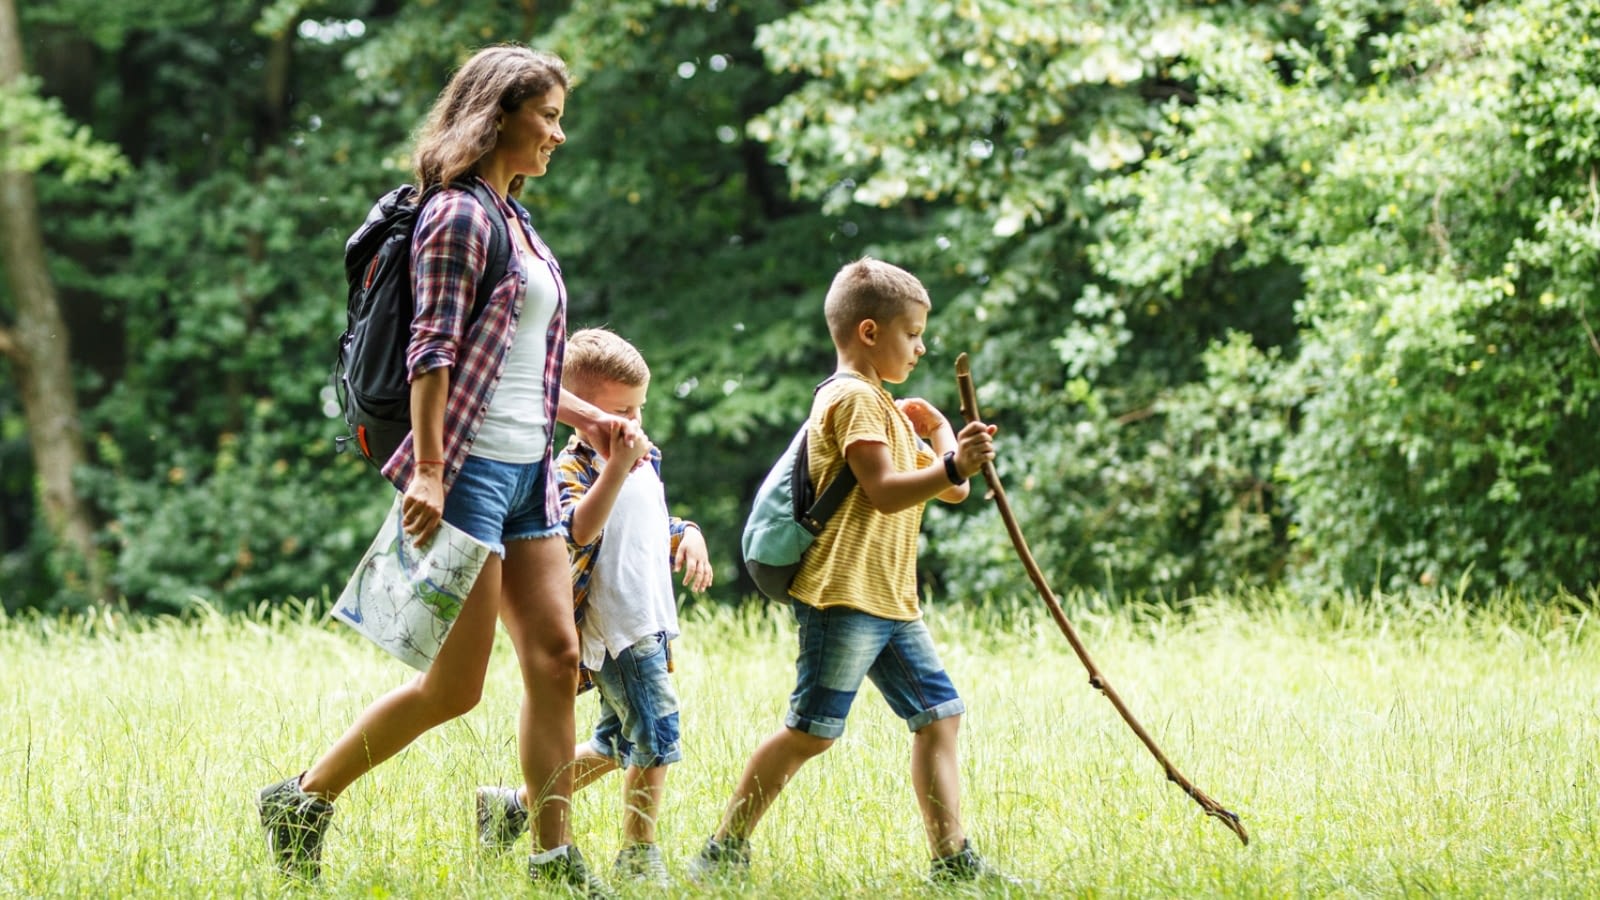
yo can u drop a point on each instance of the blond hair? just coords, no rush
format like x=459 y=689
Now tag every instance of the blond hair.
x=463 y=125
x=597 y=355
x=870 y=289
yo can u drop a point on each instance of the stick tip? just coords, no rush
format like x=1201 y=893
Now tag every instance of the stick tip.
x=961 y=363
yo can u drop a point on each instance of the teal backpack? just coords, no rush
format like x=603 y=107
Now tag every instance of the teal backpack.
x=787 y=515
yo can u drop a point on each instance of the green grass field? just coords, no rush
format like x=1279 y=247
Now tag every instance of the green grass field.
x=1373 y=749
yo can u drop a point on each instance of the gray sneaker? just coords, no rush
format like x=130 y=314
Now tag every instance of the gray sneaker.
x=642 y=864
x=721 y=860
x=565 y=868
x=295 y=822
x=968 y=866
x=502 y=818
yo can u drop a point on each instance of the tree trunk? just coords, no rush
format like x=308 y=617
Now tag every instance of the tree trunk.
x=37 y=347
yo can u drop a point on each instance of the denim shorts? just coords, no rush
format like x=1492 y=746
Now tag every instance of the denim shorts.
x=497 y=502
x=638 y=707
x=839 y=647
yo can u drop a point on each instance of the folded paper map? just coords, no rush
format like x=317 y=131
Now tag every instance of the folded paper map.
x=403 y=597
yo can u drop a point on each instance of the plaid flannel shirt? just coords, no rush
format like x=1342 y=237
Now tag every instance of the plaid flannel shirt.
x=577 y=469
x=449 y=250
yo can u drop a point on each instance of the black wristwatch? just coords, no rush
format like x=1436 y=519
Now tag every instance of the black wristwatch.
x=950 y=468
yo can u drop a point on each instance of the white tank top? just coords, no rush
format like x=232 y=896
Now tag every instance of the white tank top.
x=513 y=428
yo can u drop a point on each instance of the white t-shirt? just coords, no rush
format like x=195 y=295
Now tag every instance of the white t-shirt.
x=630 y=590
x=513 y=428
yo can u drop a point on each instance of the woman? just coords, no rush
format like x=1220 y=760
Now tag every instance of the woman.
x=485 y=397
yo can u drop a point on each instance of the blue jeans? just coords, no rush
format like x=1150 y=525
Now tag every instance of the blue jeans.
x=638 y=707
x=497 y=502
x=840 y=647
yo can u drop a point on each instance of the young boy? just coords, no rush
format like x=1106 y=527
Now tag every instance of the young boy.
x=855 y=594
x=625 y=547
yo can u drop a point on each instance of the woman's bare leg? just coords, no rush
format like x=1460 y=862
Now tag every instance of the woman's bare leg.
x=536 y=607
x=450 y=687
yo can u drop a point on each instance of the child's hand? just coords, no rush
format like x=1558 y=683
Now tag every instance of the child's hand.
x=628 y=443
x=974 y=447
x=599 y=433
x=692 y=560
x=925 y=417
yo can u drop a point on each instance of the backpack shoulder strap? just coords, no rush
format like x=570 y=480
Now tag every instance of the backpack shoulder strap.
x=840 y=487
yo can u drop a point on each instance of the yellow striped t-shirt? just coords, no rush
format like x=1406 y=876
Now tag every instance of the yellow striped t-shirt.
x=864 y=559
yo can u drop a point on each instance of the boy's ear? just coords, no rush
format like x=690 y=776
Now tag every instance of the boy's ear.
x=867 y=332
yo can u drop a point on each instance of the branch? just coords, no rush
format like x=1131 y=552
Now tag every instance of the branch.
x=8 y=346
x=1436 y=228
x=1594 y=342
x=1138 y=415
x=969 y=412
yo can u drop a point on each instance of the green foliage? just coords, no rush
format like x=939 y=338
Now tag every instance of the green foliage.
x=1257 y=293
x=34 y=133
x=222 y=292
x=219 y=283
x=1366 y=211
x=278 y=519
x=1445 y=379
x=675 y=230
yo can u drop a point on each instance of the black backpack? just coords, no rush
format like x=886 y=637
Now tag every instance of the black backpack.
x=369 y=374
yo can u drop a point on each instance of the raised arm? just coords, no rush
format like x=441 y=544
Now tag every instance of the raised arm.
x=593 y=508
x=889 y=491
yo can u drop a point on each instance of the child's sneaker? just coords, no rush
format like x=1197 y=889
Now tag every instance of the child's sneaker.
x=502 y=818
x=295 y=822
x=642 y=863
x=968 y=865
x=564 y=867
x=720 y=860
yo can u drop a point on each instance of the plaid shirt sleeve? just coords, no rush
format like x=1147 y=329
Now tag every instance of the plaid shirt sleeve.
x=448 y=254
x=676 y=524
x=575 y=473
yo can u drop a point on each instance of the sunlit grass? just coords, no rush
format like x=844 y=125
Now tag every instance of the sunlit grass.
x=1372 y=747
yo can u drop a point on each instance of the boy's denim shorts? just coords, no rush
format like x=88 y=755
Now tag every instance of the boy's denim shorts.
x=638 y=707
x=497 y=502
x=839 y=647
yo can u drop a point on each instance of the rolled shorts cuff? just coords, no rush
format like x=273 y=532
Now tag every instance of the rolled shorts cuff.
x=555 y=530
x=644 y=760
x=825 y=727
x=945 y=710
x=606 y=745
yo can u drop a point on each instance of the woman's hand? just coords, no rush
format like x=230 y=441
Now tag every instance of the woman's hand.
x=627 y=443
x=422 y=508
x=691 y=559
x=608 y=434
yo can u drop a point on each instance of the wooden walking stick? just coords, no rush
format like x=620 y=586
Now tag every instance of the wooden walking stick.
x=969 y=412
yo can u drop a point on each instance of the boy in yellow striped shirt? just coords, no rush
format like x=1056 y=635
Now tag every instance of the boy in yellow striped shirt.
x=855 y=594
